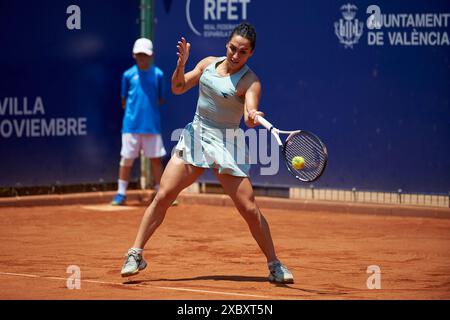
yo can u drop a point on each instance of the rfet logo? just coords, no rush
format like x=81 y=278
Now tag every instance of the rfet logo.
x=215 y=18
x=348 y=29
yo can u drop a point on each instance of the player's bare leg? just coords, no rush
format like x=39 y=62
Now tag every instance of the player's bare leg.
x=177 y=176
x=241 y=192
x=157 y=171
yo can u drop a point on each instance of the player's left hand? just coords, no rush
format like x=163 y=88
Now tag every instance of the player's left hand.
x=183 y=48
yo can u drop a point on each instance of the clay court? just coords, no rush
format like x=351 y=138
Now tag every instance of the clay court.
x=204 y=251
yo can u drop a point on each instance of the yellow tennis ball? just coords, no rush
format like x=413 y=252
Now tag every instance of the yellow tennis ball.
x=298 y=162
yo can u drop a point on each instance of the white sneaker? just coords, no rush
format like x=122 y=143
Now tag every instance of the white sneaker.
x=133 y=264
x=279 y=273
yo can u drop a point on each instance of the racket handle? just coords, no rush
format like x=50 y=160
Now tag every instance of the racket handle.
x=264 y=122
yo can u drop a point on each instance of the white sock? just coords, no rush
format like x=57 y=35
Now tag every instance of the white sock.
x=156 y=187
x=122 y=186
x=271 y=263
x=138 y=250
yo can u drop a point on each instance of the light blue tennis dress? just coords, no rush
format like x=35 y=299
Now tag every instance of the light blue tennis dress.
x=213 y=139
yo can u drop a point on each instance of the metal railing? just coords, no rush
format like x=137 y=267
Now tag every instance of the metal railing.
x=360 y=196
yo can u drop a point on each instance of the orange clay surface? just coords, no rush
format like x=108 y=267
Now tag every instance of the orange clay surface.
x=207 y=252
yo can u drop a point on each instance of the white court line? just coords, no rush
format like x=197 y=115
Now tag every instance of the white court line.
x=217 y=292
x=143 y=286
x=107 y=208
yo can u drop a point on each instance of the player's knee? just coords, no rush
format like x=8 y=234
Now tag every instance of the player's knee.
x=124 y=162
x=164 y=198
x=250 y=212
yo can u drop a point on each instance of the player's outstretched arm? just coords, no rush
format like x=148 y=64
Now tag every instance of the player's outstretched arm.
x=251 y=104
x=181 y=81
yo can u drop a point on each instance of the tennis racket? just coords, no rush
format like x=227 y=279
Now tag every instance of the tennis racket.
x=300 y=143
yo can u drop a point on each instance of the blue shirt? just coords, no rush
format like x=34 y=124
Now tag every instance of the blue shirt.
x=142 y=91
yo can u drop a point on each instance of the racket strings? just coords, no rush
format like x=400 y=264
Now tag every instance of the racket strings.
x=311 y=149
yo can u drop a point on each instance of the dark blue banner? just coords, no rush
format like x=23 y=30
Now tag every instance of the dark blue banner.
x=60 y=112
x=371 y=82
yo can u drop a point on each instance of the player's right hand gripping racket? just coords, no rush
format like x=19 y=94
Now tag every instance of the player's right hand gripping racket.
x=303 y=144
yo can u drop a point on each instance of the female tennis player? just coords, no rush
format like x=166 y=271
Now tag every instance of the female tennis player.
x=228 y=90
